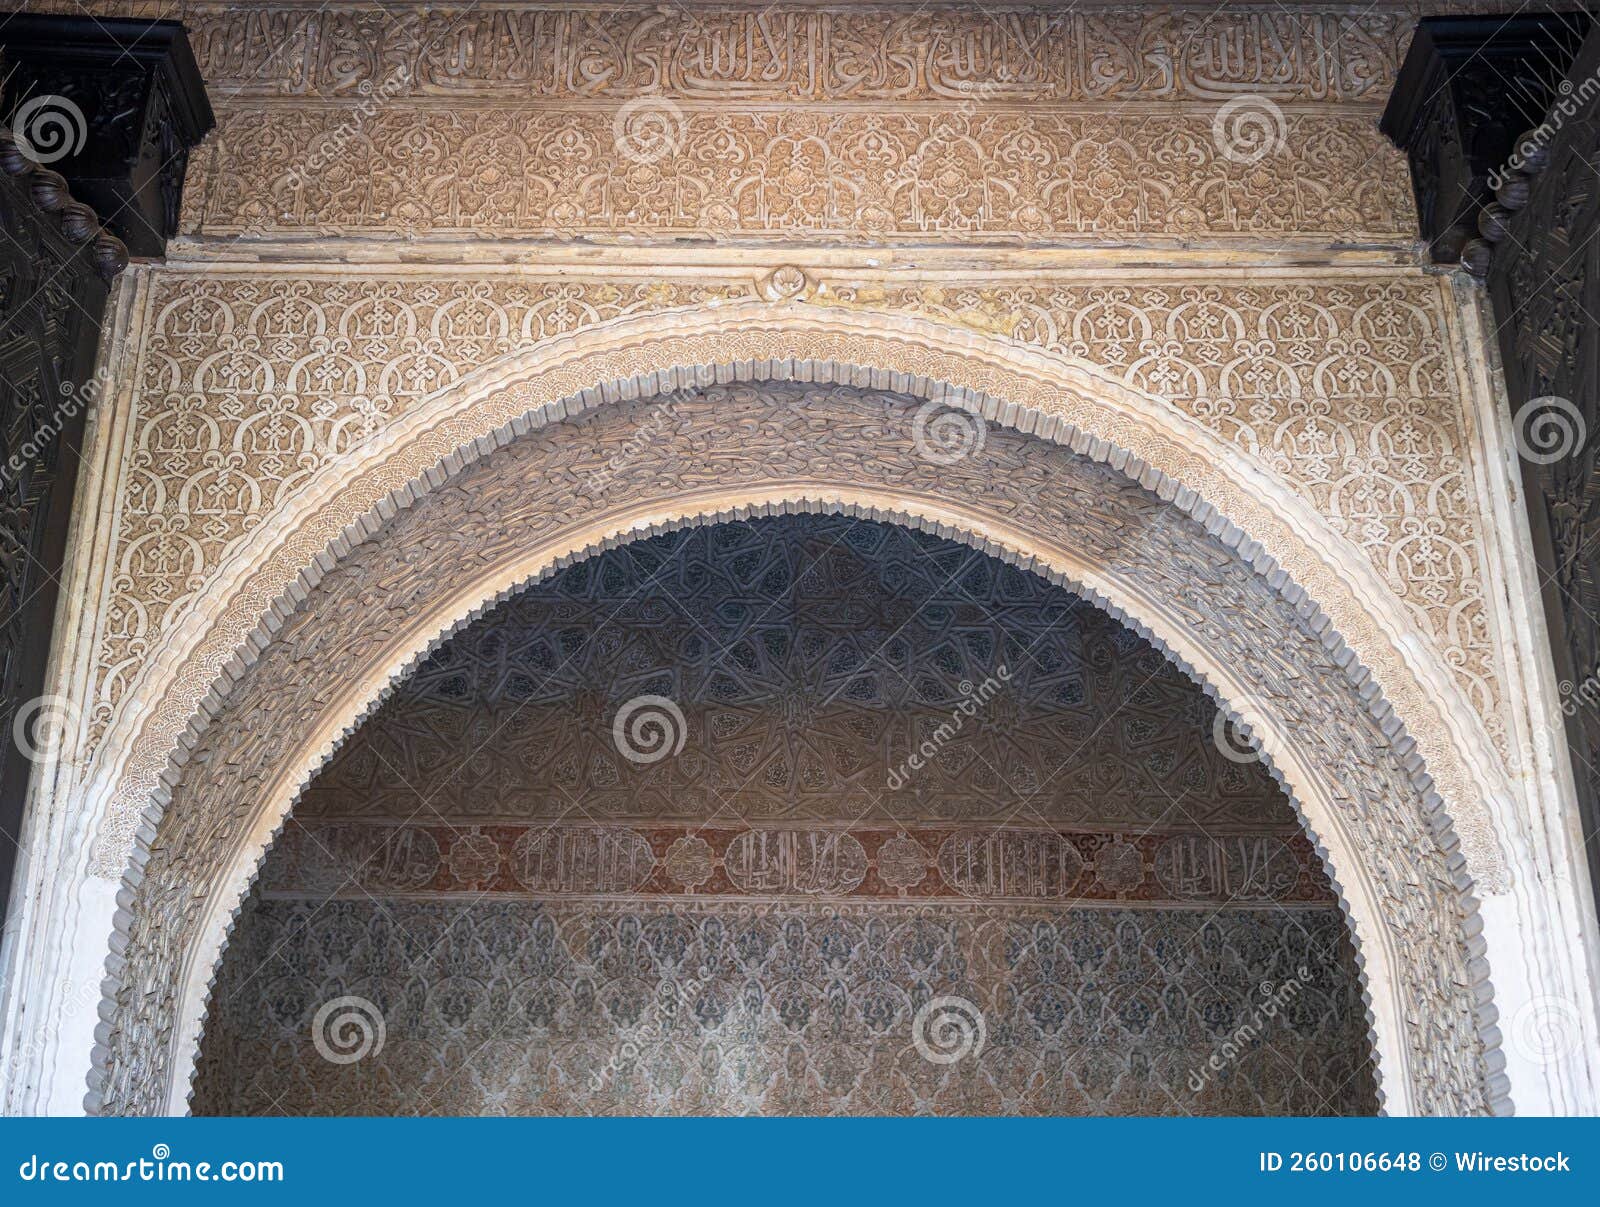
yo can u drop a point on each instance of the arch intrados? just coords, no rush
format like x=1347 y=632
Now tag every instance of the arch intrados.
x=1014 y=548
x=1279 y=754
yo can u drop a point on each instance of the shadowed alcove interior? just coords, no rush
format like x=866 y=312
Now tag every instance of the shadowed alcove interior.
x=913 y=782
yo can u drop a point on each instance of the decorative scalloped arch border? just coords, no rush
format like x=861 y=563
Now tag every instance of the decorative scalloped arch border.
x=1038 y=393
x=212 y=948
x=1041 y=394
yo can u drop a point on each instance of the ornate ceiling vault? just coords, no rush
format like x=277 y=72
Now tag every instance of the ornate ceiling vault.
x=462 y=296
x=1110 y=885
x=810 y=657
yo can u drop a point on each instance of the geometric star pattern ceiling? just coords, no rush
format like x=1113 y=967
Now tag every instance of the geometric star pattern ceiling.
x=893 y=773
x=810 y=656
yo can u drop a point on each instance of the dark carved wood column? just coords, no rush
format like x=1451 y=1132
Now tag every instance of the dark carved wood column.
x=1468 y=87
x=1506 y=169
x=100 y=116
x=140 y=107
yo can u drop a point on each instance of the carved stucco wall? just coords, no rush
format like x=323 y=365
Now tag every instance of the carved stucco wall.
x=542 y=125
x=838 y=439
x=1081 y=859
x=955 y=124
x=513 y=1007
x=794 y=52
x=1343 y=386
x=272 y=346
x=794 y=174
x=249 y=380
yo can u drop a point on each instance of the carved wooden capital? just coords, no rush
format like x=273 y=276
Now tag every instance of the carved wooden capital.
x=1467 y=88
x=114 y=106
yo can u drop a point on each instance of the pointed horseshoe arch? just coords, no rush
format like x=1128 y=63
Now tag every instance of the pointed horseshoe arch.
x=1200 y=494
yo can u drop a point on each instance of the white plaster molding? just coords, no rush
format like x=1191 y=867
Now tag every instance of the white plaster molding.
x=1544 y=923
